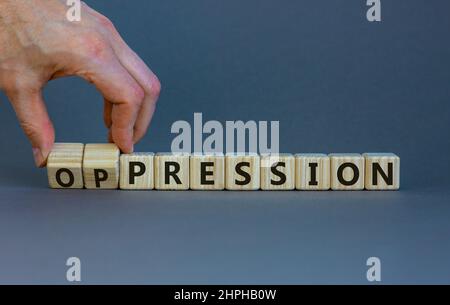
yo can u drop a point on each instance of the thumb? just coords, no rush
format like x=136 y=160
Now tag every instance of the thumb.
x=35 y=122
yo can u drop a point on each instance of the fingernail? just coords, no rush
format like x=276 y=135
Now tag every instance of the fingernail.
x=38 y=157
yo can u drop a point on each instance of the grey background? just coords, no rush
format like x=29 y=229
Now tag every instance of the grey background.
x=336 y=83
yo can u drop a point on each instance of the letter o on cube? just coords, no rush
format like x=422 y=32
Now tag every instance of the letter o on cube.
x=65 y=166
x=347 y=172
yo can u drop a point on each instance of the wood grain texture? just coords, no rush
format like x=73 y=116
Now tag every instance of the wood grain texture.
x=136 y=171
x=207 y=172
x=101 y=166
x=347 y=172
x=277 y=172
x=312 y=172
x=171 y=171
x=65 y=166
x=382 y=171
x=242 y=172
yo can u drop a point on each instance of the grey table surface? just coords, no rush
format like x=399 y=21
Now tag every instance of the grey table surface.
x=156 y=237
x=334 y=81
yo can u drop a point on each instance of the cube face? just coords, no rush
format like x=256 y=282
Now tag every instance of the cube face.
x=242 y=172
x=136 y=171
x=207 y=172
x=101 y=166
x=171 y=171
x=277 y=172
x=347 y=172
x=382 y=171
x=312 y=172
x=65 y=166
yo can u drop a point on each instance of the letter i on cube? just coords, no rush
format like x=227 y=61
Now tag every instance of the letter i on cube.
x=312 y=172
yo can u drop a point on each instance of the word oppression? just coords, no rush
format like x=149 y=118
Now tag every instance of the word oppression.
x=101 y=166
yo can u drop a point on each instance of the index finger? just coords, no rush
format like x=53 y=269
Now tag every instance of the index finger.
x=124 y=93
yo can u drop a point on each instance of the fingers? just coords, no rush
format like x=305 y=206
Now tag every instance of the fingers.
x=144 y=118
x=123 y=98
x=107 y=113
x=98 y=46
x=143 y=75
x=107 y=118
x=148 y=81
x=33 y=117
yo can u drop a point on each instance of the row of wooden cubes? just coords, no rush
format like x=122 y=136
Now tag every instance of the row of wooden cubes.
x=101 y=166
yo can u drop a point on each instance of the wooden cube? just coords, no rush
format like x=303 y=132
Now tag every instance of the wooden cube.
x=312 y=172
x=172 y=171
x=242 y=171
x=207 y=171
x=136 y=171
x=65 y=166
x=101 y=166
x=382 y=171
x=277 y=172
x=347 y=172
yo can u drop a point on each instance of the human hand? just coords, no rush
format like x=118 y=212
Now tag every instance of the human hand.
x=38 y=44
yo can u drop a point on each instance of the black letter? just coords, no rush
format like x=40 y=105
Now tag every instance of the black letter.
x=341 y=176
x=247 y=177
x=389 y=178
x=97 y=177
x=276 y=172
x=133 y=174
x=68 y=172
x=313 y=167
x=204 y=173
x=173 y=173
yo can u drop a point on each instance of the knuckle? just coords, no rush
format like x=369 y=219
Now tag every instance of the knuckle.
x=95 y=46
x=105 y=22
x=30 y=129
x=139 y=94
x=135 y=96
x=34 y=127
x=15 y=86
x=10 y=86
x=153 y=86
x=8 y=82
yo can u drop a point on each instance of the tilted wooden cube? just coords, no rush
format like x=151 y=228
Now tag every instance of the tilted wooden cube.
x=242 y=171
x=347 y=172
x=136 y=171
x=101 y=166
x=65 y=166
x=277 y=172
x=382 y=171
x=312 y=172
x=171 y=171
x=207 y=171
